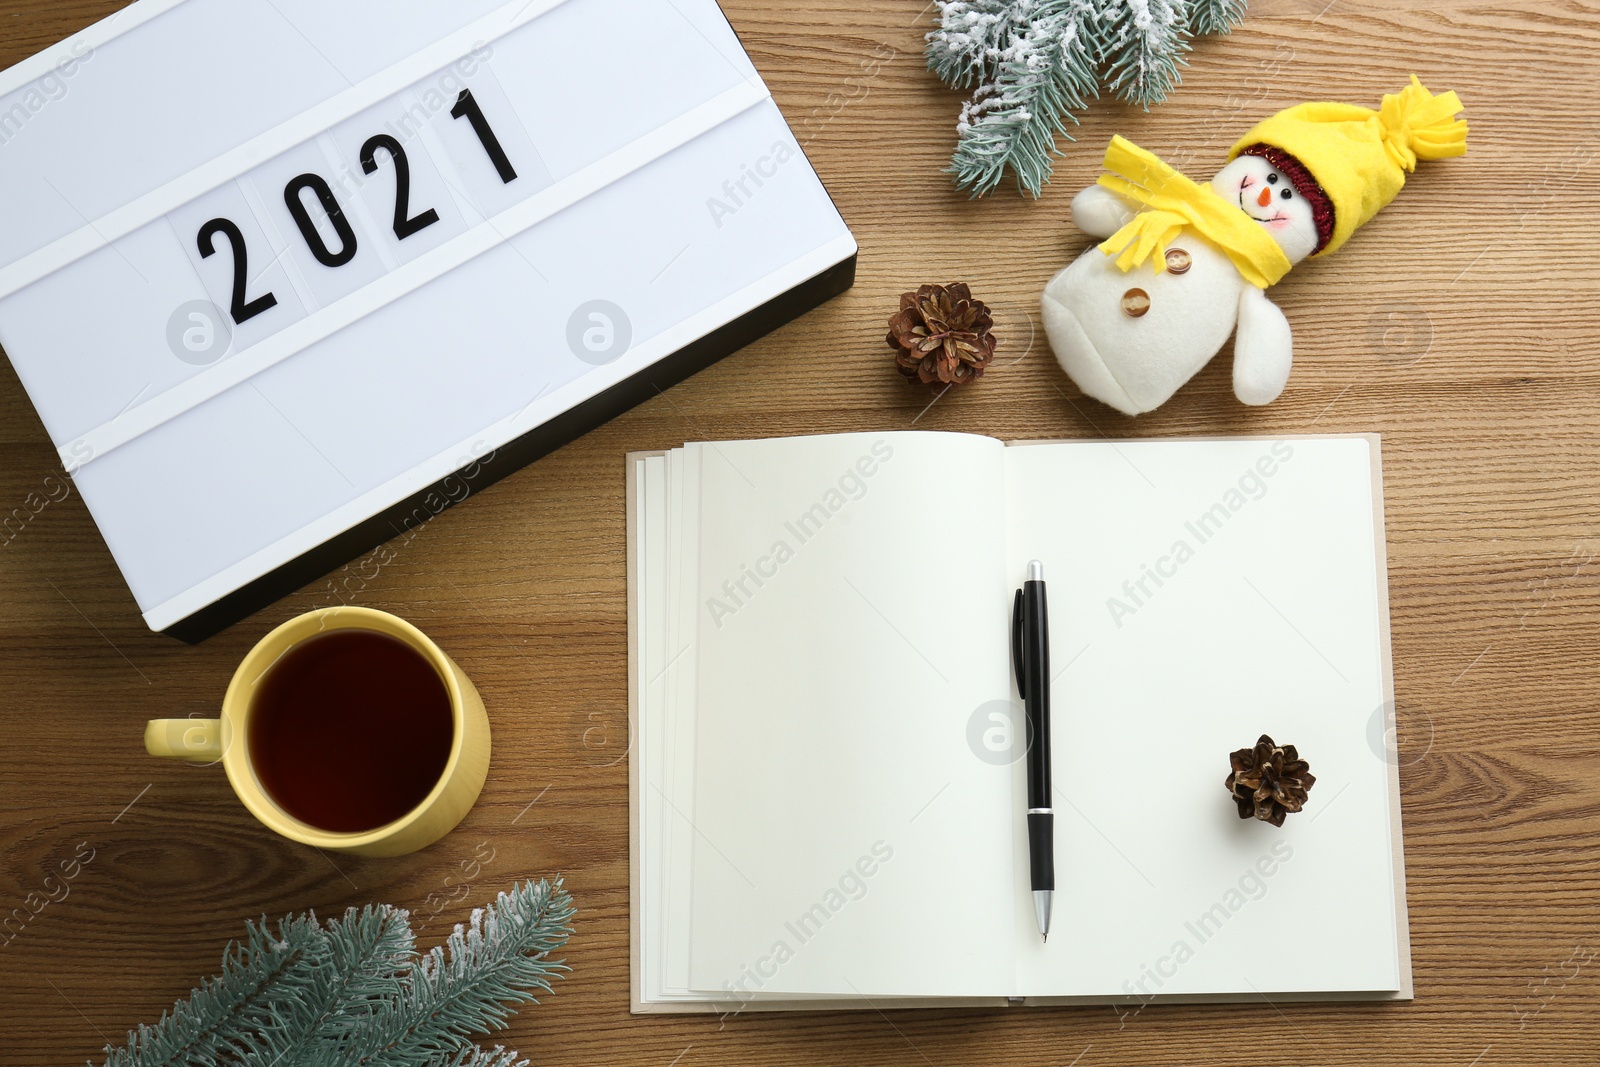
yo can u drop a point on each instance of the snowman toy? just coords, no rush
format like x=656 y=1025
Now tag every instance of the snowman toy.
x=1183 y=265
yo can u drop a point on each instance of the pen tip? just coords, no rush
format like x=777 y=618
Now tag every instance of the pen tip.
x=1044 y=938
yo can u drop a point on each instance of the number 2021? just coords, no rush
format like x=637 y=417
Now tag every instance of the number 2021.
x=406 y=224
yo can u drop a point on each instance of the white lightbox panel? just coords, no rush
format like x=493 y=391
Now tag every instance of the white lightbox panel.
x=408 y=291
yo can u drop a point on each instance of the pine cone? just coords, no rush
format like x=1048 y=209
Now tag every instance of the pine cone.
x=941 y=335
x=1269 y=781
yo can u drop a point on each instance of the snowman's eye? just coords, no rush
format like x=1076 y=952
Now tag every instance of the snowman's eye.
x=1272 y=179
x=1288 y=194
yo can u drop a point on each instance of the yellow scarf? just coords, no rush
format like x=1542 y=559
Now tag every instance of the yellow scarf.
x=1173 y=202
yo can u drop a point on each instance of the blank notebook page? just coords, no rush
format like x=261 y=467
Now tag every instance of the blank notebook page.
x=850 y=619
x=1202 y=594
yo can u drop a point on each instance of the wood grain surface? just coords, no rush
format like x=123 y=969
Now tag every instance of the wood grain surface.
x=1463 y=324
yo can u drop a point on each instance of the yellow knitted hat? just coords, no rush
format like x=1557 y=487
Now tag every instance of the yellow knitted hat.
x=1359 y=157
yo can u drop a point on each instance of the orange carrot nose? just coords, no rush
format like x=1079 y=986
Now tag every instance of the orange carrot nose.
x=1266 y=196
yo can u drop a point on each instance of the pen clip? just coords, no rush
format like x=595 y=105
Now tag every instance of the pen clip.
x=1016 y=643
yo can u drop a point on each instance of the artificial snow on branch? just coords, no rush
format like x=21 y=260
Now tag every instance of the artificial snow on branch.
x=1032 y=64
x=1144 y=45
x=354 y=992
x=1215 y=16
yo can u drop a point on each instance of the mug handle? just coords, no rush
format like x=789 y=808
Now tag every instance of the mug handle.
x=193 y=740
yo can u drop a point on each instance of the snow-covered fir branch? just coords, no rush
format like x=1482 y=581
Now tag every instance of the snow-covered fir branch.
x=1214 y=16
x=355 y=993
x=1036 y=75
x=1032 y=65
x=1144 y=48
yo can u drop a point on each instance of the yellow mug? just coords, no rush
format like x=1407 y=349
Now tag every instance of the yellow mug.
x=213 y=740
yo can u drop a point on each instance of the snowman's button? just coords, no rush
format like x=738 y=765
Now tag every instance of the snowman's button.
x=1179 y=261
x=1135 y=302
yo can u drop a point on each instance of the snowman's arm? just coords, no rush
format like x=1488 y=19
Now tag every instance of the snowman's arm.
x=1099 y=212
x=1263 y=349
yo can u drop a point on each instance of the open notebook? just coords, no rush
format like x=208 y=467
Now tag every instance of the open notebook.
x=826 y=800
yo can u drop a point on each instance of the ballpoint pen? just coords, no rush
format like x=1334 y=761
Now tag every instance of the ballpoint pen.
x=1030 y=656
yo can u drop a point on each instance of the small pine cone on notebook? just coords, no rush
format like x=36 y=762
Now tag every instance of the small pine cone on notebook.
x=1270 y=781
x=941 y=335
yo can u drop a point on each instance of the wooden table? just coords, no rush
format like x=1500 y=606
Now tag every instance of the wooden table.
x=1462 y=324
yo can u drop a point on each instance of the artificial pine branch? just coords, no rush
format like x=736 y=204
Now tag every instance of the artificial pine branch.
x=1214 y=16
x=1145 y=49
x=366 y=951
x=965 y=48
x=473 y=1056
x=492 y=963
x=1032 y=75
x=226 y=1012
x=354 y=993
x=1031 y=64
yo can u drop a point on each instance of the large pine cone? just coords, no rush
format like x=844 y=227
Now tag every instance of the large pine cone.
x=941 y=335
x=1269 y=781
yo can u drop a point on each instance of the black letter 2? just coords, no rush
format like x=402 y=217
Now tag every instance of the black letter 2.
x=403 y=227
x=243 y=310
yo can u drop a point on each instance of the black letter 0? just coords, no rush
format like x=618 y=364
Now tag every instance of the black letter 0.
x=403 y=227
x=308 y=229
x=243 y=310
